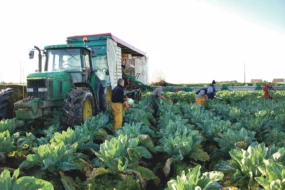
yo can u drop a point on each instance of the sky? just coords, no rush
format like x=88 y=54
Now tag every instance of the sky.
x=186 y=41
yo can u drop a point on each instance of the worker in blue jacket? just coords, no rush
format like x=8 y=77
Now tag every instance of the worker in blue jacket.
x=211 y=91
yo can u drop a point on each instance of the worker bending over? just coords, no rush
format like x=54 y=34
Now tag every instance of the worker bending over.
x=267 y=91
x=211 y=91
x=117 y=104
x=155 y=96
x=201 y=96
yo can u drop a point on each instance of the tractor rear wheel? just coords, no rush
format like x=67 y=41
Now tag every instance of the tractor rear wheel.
x=78 y=106
x=139 y=95
x=7 y=99
x=102 y=99
x=134 y=96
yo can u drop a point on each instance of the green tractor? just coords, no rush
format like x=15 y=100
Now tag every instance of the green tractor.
x=68 y=82
x=65 y=84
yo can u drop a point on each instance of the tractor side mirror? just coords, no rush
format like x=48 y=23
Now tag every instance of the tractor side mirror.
x=31 y=54
x=93 y=52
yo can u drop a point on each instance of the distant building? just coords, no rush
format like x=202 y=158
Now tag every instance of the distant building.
x=256 y=80
x=278 y=80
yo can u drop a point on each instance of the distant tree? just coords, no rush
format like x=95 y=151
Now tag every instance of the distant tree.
x=158 y=78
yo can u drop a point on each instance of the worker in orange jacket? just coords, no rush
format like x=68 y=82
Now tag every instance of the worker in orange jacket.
x=201 y=96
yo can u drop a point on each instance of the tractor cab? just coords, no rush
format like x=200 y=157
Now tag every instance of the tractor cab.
x=75 y=60
x=65 y=66
x=67 y=60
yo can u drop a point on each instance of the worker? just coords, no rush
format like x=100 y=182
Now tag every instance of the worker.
x=117 y=103
x=201 y=96
x=125 y=76
x=266 y=89
x=155 y=96
x=211 y=91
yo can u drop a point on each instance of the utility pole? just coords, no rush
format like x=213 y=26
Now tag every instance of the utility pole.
x=20 y=72
x=23 y=82
x=244 y=73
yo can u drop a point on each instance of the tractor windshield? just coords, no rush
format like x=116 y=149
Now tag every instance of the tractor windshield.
x=64 y=60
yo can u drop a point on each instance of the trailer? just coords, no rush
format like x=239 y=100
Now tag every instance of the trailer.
x=115 y=59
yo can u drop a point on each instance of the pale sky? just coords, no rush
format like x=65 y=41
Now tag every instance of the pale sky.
x=188 y=41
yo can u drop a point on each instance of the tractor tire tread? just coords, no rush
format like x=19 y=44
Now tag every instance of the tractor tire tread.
x=7 y=99
x=73 y=106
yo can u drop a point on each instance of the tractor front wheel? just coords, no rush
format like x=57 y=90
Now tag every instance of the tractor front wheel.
x=78 y=106
x=7 y=99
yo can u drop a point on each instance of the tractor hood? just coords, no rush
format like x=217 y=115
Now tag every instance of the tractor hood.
x=48 y=85
x=49 y=75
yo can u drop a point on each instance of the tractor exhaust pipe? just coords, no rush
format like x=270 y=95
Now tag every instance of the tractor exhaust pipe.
x=40 y=58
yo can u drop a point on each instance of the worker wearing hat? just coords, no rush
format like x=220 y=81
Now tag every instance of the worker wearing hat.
x=211 y=91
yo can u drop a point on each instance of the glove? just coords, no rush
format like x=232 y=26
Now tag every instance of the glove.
x=127 y=106
x=162 y=97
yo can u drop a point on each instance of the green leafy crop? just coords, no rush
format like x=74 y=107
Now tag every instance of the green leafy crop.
x=9 y=124
x=245 y=165
x=120 y=152
x=6 y=142
x=28 y=183
x=179 y=141
x=230 y=139
x=53 y=158
x=140 y=131
x=274 y=176
x=193 y=180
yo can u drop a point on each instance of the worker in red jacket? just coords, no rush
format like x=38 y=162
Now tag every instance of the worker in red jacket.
x=266 y=89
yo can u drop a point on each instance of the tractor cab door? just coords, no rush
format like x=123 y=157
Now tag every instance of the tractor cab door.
x=86 y=71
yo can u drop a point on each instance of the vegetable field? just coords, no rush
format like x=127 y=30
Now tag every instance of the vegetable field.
x=235 y=142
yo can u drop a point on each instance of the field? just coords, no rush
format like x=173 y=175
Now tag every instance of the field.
x=235 y=142
x=227 y=83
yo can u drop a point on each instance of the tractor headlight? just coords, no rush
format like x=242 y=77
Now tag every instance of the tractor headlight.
x=42 y=89
x=30 y=90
